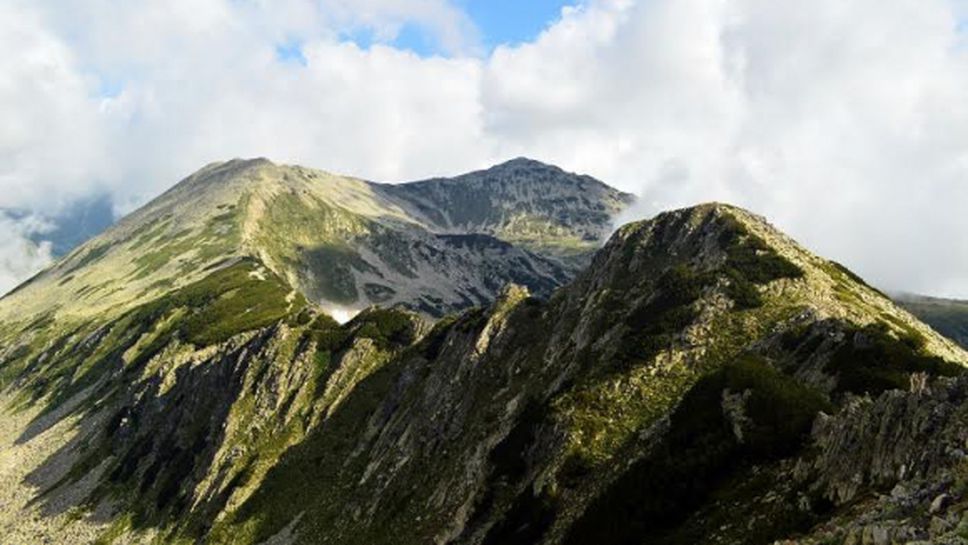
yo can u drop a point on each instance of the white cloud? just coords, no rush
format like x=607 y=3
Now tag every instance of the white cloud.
x=451 y=27
x=51 y=138
x=846 y=123
x=20 y=258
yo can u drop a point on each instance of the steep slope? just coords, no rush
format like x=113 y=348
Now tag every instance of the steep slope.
x=705 y=380
x=948 y=316
x=179 y=286
x=341 y=241
x=522 y=201
x=659 y=399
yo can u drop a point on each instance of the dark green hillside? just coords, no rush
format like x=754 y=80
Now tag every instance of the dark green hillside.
x=947 y=316
x=182 y=379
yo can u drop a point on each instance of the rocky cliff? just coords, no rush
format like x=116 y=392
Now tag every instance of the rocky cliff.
x=704 y=380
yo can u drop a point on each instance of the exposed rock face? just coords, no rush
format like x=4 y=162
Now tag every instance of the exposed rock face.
x=534 y=205
x=898 y=460
x=704 y=380
x=897 y=436
x=343 y=242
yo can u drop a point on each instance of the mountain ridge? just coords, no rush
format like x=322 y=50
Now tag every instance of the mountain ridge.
x=516 y=180
x=285 y=216
x=704 y=379
x=609 y=414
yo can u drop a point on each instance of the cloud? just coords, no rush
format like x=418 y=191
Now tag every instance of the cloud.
x=19 y=256
x=449 y=25
x=52 y=145
x=845 y=123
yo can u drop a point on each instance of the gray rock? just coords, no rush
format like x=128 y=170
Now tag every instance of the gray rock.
x=939 y=503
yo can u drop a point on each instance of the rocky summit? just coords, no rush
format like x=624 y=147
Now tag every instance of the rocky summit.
x=510 y=377
x=435 y=246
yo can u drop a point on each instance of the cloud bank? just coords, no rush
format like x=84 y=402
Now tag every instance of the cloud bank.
x=846 y=123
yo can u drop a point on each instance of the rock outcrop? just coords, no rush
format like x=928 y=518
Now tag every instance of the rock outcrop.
x=704 y=380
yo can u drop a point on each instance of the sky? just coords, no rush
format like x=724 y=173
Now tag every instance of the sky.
x=844 y=123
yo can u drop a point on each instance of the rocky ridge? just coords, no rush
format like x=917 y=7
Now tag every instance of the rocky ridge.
x=343 y=242
x=705 y=379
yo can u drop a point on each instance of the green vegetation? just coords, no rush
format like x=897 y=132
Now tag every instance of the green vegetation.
x=388 y=328
x=528 y=519
x=333 y=267
x=92 y=254
x=330 y=337
x=751 y=257
x=602 y=415
x=750 y=261
x=64 y=360
x=875 y=360
x=653 y=326
x=115 y=531
x=149 y=232
x=327 y=333
x=308 y=234
x=635 y=393
x=284 y=493
x=701 y=452
x=238 y=298
x=843 y=272
x=232 y=301
x=609 y=405
x=528 y=516
x=188 y=248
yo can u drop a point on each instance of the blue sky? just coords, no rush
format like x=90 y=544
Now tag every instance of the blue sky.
x=799 y=110
x=498 y=21
x=512 y=21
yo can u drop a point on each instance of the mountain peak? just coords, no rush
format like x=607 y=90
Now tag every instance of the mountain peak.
x=341 y=241
x=223 y=170
x=243 y=163
x=524 y=201
x=756 y=262
x=703 y=368
x=524 y=162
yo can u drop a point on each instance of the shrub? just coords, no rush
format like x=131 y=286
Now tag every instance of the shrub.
x=874 y=361
x=223 y=304
x=653 y=326
x=388 y=328
x=700 y=453
x=751 y=261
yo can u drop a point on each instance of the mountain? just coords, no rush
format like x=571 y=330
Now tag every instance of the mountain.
x=948 y=316
x=530 y=204
x=342 y=242
x=704 y=379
